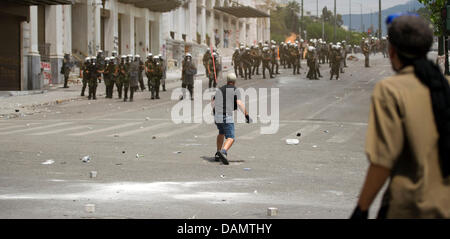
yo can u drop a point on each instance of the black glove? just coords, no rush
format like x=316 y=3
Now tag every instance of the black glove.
x=358 y=214
x=248 y=119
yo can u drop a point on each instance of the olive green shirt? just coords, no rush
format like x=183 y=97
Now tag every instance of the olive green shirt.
x=402 y=136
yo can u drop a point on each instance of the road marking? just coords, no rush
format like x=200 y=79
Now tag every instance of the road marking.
x=303 y=131
x=35 y=128
x=16 y=126
x=145 y=129
x=177 y=131
x=60 y=130
x=324 y=122
x=329 y=105
x=105 y=129
x=342 y=136
x=255 y=133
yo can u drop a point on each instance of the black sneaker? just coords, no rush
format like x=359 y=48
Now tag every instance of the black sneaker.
x=217 y=157
x=223 y=158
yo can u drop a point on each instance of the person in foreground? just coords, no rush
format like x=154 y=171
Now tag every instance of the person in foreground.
x=225 y=102
x=408 y=135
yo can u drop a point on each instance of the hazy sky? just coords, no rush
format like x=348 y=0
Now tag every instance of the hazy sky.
x=342 y=6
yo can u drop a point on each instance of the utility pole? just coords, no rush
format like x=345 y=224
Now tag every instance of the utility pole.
x=379 y=20
x=317 y=8
x=301 y=22
x=362 y=25
x=350 y=8
x=335 y=20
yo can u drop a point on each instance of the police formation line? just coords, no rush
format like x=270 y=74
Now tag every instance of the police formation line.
x=126 y=73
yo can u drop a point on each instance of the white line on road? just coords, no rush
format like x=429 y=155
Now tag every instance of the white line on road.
x=342 y=136
x=255 y=133
x=35 y=128
x=303 y=131
x=61 y=130
x=145 y=129
x=16 y=126
x=105 y=129
x=177 y=131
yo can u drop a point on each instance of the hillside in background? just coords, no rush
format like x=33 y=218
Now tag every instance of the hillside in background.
x=413 y=5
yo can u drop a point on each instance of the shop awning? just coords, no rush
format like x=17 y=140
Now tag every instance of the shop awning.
x=41 y=2
x=156 y=5
x=241 y=11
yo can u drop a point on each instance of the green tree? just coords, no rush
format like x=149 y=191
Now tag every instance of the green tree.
x=435 y=7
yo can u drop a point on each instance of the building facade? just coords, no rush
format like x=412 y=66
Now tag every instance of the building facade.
x=167 y=27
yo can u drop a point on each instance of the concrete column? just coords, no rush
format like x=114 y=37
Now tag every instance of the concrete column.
x=230 y=33
x=80 y=23
x=221 y=30
x=237 y=32
x=112 y=28
x=267 y=28
x=54 y=36
x=141 y=32
x=203 y=22
x=34 y=81
x=67 y=31
x=192 y=33
x=127 y=34
x=97 y=28
x=212 y=23
x=244 y=32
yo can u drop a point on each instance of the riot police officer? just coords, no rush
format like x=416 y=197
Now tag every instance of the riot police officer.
x=85 y=70
x=65 y=69
x=266 y=58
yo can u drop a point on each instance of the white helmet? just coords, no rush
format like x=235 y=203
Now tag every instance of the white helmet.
x=137 y=56
x=310 y=48
x=188 y=55
x=87 y=59
x=150 y=54
x=155 y=58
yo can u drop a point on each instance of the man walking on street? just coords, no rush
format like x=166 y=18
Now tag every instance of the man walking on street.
x=408 y=135
x=225 y=102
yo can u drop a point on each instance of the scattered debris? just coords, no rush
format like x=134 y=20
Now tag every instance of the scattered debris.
x=63 y=162
x=147 y=118
x=251 y=157
x=154 y=137
x=247 y=169
x=118 y=164
x=90 y=208
x=314 y=146
x=222 y=176
x=195 y=136
x=93 y=174
x=86 y=159
x=326 y=131
x=17 y=110
x=272 y=211
x=116 y=135
x=255 y=192
x=123 y=151
x=48 y=162
x=292 y=141
x=299 y=134
x=177 y=152
x=139 y=156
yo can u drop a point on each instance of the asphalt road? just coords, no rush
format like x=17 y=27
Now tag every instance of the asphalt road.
x=175 y=175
